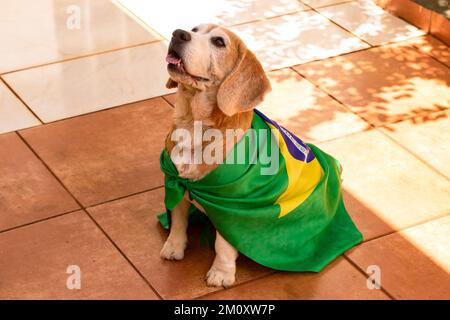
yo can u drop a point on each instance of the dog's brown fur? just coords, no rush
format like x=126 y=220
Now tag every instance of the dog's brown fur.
x=225 y=105
x=236 y=85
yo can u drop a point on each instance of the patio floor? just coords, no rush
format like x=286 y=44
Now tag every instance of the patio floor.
x=84 y=113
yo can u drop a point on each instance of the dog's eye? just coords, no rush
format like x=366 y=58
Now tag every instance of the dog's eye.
x=195 y=29
x=218 y=42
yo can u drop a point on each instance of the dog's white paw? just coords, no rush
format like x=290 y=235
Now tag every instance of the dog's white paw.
x=173 y=250
x=220 y=277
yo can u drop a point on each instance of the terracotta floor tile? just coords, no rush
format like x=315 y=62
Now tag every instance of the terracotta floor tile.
x=307 y=111
x=88 y=84
x=298 y=38
x=28 y=191
x=427 y=137
x=384 y=84
x=14 y=115
x=323 y=3
x=108 y=154
x=35 y=259
x=339 y=280
x=369 y=22
x=440 y=27
x=385 y=187
x=164 y=19
x=414 y=263
x=407 y=10
x=433 y=47
x=43 y=31
x=131 y=223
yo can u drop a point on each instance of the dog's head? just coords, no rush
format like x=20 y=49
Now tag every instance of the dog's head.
x=210 y=57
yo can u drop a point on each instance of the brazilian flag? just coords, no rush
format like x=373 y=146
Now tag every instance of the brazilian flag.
x=289 y=218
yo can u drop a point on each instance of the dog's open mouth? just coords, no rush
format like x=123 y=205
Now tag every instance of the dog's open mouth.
x=176 y=63
x=175 y=60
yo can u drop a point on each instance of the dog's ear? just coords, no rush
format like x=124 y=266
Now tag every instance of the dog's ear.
x=245 y=87
x=170 y=84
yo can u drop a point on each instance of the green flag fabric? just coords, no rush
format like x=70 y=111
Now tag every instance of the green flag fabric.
x=286 y=214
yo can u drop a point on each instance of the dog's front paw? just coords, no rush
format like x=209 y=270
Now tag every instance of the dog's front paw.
x=173 y=250
x=220 y=277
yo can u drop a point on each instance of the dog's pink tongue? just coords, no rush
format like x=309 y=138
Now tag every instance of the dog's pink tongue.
x=172 y=59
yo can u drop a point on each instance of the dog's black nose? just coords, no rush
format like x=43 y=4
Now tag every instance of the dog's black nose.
x=181 y=35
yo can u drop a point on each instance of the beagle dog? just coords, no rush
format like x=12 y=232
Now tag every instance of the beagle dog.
x=219 y=81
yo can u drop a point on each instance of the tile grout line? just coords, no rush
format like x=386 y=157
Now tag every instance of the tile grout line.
x=429 y=22
x=306 y=9
x=84 y=209
x=40 y=220
x=123 y=197
x=89 y=215
x=404 y=42
x=227 y=26
x=164 y=39
x=346 y=53
x=132 y=14
x=127 y=104
x=412 y=153
x=370 y=45
x=341 y=137
x=79 y=209
x=428 y=54
x=140 y=192
x=123 y=255
x=338 y=25
x=222 y=289
x=384 y=290
x=319 y=59
x=378 y=128
x=274 y=272
x=392 y=43
x=333 y=98
x=414 y=225
x=292 y=68
x=99 y=53
x=373 y=127
x=20 y=99
x=162 y=96
x=328 y=5
x=167 y=100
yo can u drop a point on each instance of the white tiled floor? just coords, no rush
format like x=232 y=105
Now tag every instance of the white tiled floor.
x=370 y=22
x=93 y=83
x=170 y=15
x=297 y=38
x=36 y=32
x=13 y=114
